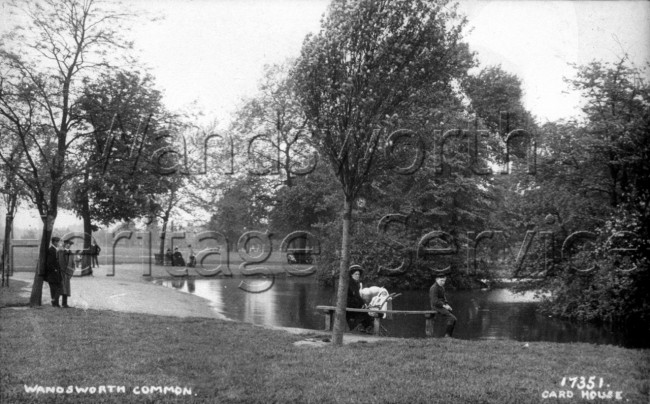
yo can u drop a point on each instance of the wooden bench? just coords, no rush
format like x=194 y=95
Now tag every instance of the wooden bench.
x=429 y=316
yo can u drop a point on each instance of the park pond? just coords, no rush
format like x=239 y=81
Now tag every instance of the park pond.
x=482 y=314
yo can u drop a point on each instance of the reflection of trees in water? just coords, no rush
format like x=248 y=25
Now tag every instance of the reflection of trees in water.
x=488 y=315
x=516 y=321
x=481 y=315
x=301 y=292
x=473 y=309
x=567 y=331
x=521 y=322
x=300 y=303
x=262 y=308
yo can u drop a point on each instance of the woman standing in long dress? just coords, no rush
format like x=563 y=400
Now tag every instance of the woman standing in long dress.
x=66 y=263
x=355 y=301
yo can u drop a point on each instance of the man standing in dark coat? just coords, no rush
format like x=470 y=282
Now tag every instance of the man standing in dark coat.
x=439 y=302
x=52 y=272
x=94 y=254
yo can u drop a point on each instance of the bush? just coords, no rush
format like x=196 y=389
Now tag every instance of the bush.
x=616 y=290
x=386 y=264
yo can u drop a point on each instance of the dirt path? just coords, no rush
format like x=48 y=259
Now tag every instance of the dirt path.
x=126 y=292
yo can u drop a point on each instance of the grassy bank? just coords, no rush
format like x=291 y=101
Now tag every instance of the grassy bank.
x=223 y=361
x=233 y=362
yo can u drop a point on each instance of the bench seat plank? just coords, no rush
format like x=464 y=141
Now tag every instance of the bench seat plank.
x=429 y=316
x=329 y=308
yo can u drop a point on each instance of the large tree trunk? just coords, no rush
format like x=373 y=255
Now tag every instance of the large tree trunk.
x=48 y=214
x=37 y=286
x=340 y=323
x=12 y=202
x=88 y=226
x=88 y=231
x=165 y=219
x=163 y=235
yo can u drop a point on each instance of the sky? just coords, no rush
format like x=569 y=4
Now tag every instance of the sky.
x=207 y=55
x=213 y=52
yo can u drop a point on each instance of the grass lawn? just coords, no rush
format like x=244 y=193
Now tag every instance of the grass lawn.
x=222 y=361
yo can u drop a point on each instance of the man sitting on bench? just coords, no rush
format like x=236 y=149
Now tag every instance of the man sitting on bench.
x=439 y=302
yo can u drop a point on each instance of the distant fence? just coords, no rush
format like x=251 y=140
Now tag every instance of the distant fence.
x=23 y=256
x=133 y=250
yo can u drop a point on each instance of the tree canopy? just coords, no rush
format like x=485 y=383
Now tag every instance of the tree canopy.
x=368 y=62
x=45 y=63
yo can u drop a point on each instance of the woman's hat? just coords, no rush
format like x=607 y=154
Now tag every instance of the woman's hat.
x=355 y=268
x=441 y=274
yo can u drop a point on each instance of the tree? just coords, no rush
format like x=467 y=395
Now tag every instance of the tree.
x=592 y=178
x=496 y=101
x=617 y=159
x=313 y=199
x=120 y=177
x=11 y=194
x=240 y=208
x=170 y=200
x=44 y=64
x=269 y=140
x=493 y=92
x=275 y=128
x=368 y=61
x=617 y=115
x=444 y=193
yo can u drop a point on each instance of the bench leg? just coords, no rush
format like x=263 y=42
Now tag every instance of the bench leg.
x=428 y=330
x=376 y=325
x=329 y=320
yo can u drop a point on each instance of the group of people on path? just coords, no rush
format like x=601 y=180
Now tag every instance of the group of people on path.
x=60 y=264
x=176 y=258
x=363 y=322
x=59 y=268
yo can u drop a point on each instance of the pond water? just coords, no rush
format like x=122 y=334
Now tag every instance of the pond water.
x=482 y=314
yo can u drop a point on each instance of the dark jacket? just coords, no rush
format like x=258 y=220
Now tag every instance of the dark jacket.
x=178 y=260
x=437 y=296
x=52 y=272
x=354 y=296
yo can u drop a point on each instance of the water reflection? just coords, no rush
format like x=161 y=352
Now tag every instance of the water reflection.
x=482 y=314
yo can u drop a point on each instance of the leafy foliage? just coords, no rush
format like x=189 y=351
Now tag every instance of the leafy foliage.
x=370 y=60
x=45 y=63
x=127 y=116
x=593 y=177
